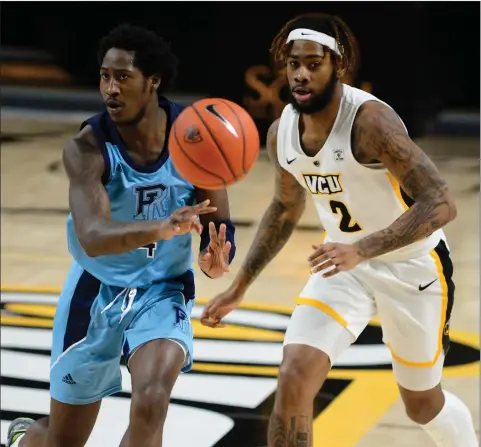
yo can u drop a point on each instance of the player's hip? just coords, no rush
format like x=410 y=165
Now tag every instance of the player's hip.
x=85 y=297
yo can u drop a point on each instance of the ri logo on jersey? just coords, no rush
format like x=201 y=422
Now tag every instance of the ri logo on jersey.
x=150 y=203
x=323 y=183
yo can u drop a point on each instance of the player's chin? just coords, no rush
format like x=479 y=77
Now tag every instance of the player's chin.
x=307 y=106
x=118 y=115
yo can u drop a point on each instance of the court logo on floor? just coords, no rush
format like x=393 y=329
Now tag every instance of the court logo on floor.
x=227 y=398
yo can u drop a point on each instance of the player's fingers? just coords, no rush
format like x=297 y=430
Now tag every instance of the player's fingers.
x=208 y=310
x=206 y=210
x=319 y=259
x=332 y=272
x=329 y=246
x=212 y=322
x=222 y=233
x=201 y=204
x=212 y=232
x=205 y=321
x=198 y=228
x=323 y=266
x=320 y=250
x=227 y=247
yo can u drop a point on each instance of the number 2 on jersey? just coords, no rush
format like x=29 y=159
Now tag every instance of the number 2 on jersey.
x=347 y=224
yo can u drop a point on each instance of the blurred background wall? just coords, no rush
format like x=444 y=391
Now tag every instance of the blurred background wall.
x=420 y=57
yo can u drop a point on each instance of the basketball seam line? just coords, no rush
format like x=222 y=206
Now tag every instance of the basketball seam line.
x=202 y=168
x=243 y=135
x=219 y=147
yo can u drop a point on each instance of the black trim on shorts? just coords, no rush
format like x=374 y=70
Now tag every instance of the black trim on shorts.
x=448 y=270
x=78 y=321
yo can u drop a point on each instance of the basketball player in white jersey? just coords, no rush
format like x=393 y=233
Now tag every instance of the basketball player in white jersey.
x=382 y=203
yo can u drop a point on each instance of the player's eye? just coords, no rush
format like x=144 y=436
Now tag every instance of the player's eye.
x=104 y=76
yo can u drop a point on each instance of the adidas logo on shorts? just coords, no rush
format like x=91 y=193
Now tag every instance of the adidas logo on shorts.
x=68 y=379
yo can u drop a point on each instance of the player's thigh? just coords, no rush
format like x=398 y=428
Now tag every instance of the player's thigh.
x=330 y=313
x=414 y=308
x=71 y=425
x=85 y=365
x=164 y=316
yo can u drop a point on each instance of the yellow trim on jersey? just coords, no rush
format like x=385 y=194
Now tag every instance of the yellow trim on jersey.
x=323 y=307
x=442 y=322
x=323 y=237
x=397 y=189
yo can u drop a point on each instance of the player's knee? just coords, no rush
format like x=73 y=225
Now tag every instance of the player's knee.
x=422 y=406
x=149 y=404
x=299 y=377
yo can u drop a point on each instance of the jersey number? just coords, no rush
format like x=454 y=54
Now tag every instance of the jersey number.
x=347 y=224
x=150 y=249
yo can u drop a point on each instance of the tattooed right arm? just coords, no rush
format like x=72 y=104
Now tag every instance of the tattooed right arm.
x=278 y=222
x=90 y=204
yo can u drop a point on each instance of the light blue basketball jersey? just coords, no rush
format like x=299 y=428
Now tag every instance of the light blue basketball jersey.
x=138 y=193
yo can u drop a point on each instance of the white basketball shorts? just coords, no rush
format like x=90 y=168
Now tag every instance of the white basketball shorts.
x=413 y=300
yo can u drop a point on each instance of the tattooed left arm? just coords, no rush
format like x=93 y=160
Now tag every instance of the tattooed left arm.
x=379 y=134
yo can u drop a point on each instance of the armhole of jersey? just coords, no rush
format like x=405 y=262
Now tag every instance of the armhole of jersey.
x=100 y=131
x=373 y=166
x=283 y=124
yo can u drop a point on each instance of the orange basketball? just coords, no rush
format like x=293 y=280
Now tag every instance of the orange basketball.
x=214 y=143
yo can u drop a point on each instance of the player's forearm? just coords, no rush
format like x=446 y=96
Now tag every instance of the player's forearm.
x=418 y=222
x=274 y=231
x=107 y=238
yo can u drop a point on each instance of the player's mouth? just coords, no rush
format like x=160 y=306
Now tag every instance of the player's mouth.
x=301 y=94
x=113 y=106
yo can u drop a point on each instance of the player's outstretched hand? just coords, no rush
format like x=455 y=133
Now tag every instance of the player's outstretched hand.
x=186 y=219
x=218 y=307
x=334 y=257
x=214 y=260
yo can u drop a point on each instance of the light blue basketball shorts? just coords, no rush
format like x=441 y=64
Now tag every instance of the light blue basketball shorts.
x=96 y=325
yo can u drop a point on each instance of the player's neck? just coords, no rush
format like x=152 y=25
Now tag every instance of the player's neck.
x=325 y=118
x=148 y=134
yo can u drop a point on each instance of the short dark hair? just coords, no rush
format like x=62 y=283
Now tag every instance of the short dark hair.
x=324 y=23
x=153 y=55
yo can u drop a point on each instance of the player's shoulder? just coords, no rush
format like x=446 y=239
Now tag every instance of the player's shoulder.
x=271 y=141
x=83 y=142
x=374 y=114
x=81 y=151
x=171 y=107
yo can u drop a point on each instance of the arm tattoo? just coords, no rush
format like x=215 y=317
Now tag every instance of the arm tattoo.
x=379 y=134
x=279 y=220
x=297 y=435
x=274 y=230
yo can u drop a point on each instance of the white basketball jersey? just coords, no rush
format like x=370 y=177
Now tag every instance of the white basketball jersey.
x=352 y=200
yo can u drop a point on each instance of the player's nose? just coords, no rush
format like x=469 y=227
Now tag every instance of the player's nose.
x=112 y=88
x=302 y=75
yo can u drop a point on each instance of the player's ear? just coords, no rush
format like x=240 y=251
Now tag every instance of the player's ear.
x=339 y=66
x=155 y=82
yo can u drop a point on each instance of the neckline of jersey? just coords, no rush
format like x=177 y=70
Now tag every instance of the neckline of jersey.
x=151 y=168
x=298 y=145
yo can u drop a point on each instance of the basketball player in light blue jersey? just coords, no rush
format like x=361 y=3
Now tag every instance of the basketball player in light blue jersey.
x=130 y=289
